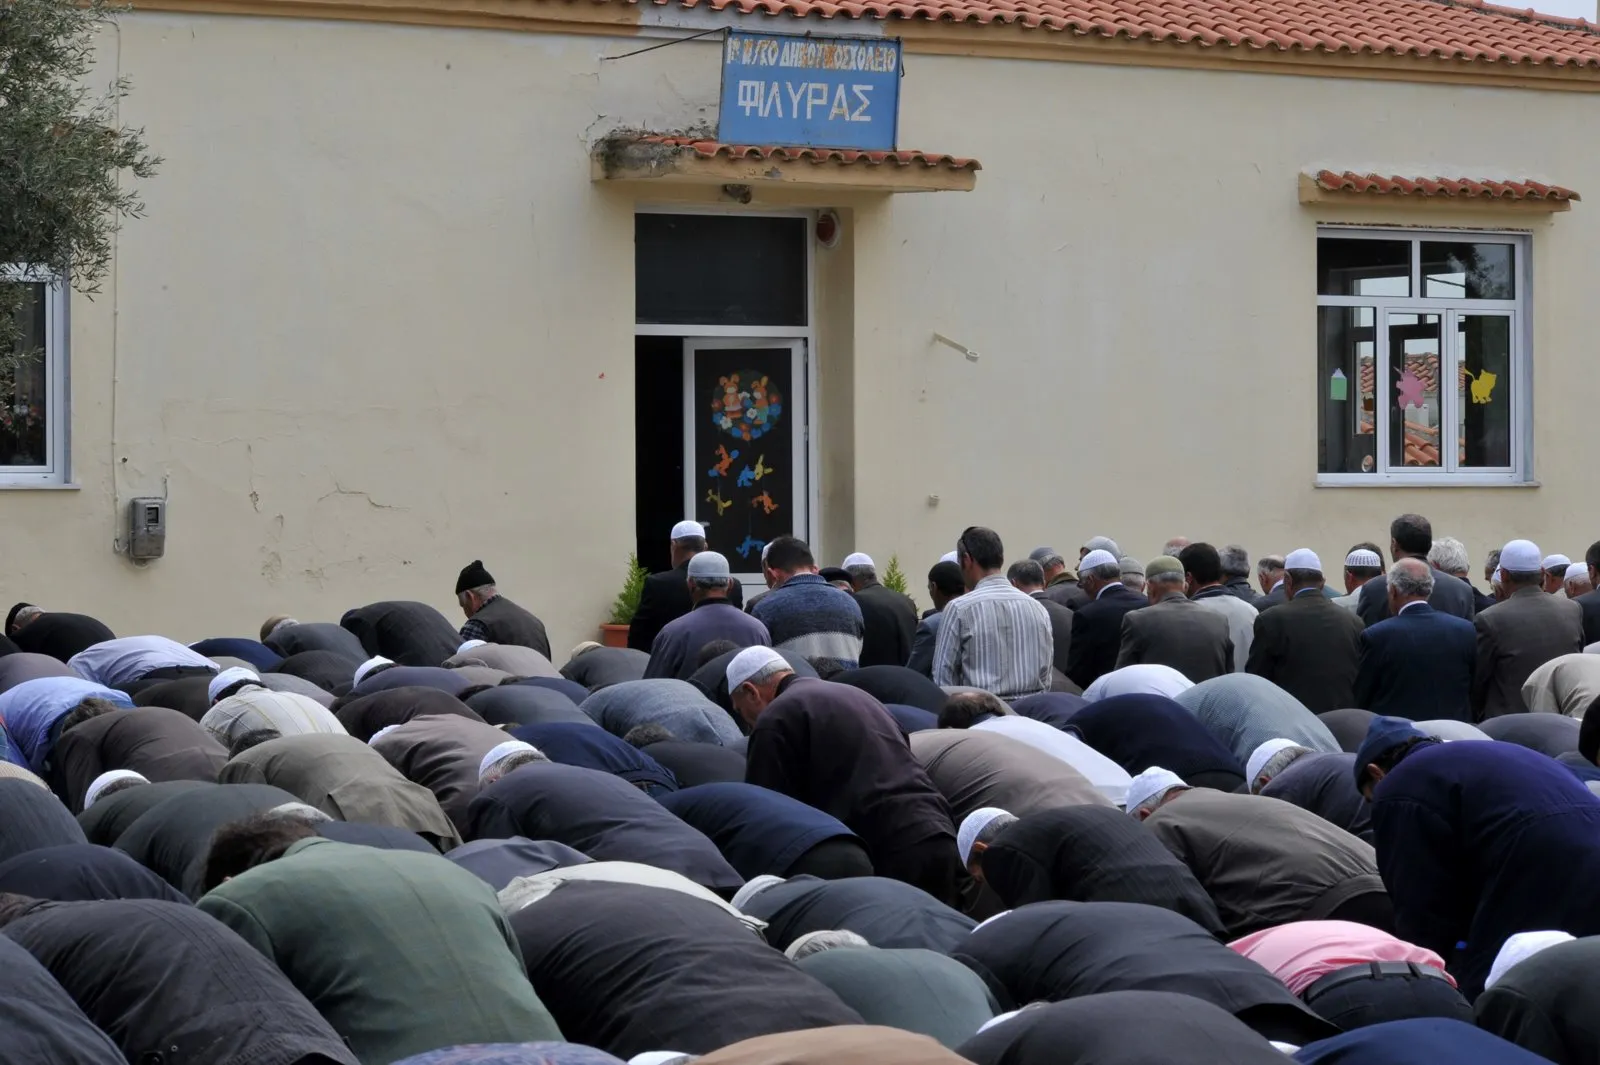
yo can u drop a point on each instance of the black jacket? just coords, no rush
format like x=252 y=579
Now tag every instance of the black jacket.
x=886 y=913
x=1451 y=595
x=1591 y=616
x=1061 y=617
x=1418 y=665
x=171 y=984
x=698 y=763
x=329 y=670
x=293 y=640
x=1052 y=951
x=410 y=634
x=173 y=838
x=1349 y=726
x=82 y=872
x=1140 y=731
x=665 y=598
x=523 y=704
x=42 y=1025
x=760 y=832
x=189 y=696
x=600 y=815
x=364 y=715
x=712 y=678
x=157 y=743
x=896 y=684
x=1311 y=649
x=1066 y=591
x=33 y=818
x=1325 y=785
x=505 y=622
x=601 y=667
x=1092 y=854
x=61 y=635
x=1240 y=588
x=628 y=968
x=106 y=821
x=1097 y=634
x=890 y=623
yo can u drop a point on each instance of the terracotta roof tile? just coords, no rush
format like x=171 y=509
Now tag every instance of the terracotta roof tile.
x=1459 y=30
x=844 y=157
x=1462 y=188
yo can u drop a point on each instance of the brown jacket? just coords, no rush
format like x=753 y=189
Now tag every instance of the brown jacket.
x=1263 y=861
x=974 y=769
x=1515 y=638
x=1179 y=633
x=158 y=743
x=442 y=753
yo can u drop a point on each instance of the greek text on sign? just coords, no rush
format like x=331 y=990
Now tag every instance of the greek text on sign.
x=824 y=92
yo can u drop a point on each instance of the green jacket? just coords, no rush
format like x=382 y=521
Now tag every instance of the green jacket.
x=401 y=951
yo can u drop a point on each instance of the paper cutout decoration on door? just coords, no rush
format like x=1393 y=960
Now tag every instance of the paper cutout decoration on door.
x=1483 y=383
x=1338 y=387
x=746 y=405
x=724 y=462
x=751 y=546
x=714 y=497
x=765 y=502
x=1410 y=387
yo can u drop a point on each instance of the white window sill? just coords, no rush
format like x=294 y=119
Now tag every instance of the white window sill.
x=39 y=486
x=1437 y=480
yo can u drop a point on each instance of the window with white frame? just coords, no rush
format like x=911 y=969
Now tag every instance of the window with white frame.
x=1422 y=356
x=33 y=405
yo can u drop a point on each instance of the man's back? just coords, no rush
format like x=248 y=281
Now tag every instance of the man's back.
x=1515 y=638
x=411 y=634
x=1325 y=785
x=810 y=617
x=890 y=621
x=157 y=743
x=1451 y=595
x=676 y=651
x=995 y=638
x=1241 y=617
x=974 y=769
x=1097 y=634
x=665 y=598
x=400 y=951
x=1177 y=633
x=317 y=636
x=1060 y=631
x=1418 y=665
x=1590 y=605
x=884 y=912
x=503 y=622
x=1311 y=649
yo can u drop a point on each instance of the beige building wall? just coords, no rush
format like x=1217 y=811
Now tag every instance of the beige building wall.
x=379 y=322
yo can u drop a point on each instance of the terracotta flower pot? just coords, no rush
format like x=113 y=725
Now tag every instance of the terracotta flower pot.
x=613 y=635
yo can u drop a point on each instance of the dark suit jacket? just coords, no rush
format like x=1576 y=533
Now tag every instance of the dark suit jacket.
x=1590 y=605
x=1515 y=638
x=666 y=598
x=410 y=634
x=890 y=621
x=1418 y=665
x=1311 y=648
x=1178 y=633
x=1097 y=634
x=1276 y=597
x=1451 y=595
x=1066 y=592
x=1060 y=631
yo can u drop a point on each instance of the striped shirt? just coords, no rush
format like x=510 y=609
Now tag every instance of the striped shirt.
x=256 y=709
x=995 y=638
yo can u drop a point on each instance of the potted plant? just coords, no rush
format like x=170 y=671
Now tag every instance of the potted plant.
x=614 y=633
x=894 y=578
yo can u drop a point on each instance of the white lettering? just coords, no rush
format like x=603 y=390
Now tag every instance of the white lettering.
x=750 y=96
x=796 y=90
x=774 y=104
x=816 y=96
x=840 y=108
x=860 y=113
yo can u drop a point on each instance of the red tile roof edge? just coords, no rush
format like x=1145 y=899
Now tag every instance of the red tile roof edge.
x=1463 y=188
x=709 y=149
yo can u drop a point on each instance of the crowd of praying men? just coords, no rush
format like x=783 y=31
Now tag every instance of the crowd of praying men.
x=1083 y=811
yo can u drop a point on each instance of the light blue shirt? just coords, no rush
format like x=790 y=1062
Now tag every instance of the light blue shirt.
x=125 y=660
x=30 y=710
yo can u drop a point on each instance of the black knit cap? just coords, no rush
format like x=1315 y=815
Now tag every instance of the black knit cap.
x=474 y=576
x=11 y=617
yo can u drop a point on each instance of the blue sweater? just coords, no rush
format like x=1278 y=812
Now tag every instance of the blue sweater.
x=812 y=618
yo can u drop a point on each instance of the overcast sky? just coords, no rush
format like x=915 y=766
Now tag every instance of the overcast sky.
x=1565 y=8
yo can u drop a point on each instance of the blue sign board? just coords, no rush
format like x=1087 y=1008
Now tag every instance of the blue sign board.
x=820 y=92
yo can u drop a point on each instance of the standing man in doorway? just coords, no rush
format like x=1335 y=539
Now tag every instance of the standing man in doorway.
x=493 y=618
x=666 y=595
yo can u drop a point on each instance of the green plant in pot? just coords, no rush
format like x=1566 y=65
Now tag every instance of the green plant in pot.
x=615 y=632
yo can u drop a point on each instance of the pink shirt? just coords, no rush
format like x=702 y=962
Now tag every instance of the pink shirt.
x=1302 y=952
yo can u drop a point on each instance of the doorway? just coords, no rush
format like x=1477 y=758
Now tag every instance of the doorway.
x=722 y=352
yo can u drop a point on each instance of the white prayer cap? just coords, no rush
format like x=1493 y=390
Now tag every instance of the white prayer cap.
x=971 y=825
x=503 y=750
x=749 y=662
x=384 y=731
x=658 y=1057
x=1153 y=782
x=1261 y=756
x=1103 y=543
x=685 y=530
x=369 y=665
x=948 y=556
x=1303 y=558
x=1553 y=561
x=1000 y=1019
x=858 y=558
x=469 y=645
x=1519 y=948
x=1285 y=1048
x=1098 y=557
x=1362 y=558
x=104 y=780
x=227 y=679
x=752 y=888
x=709 y=565
x=1577 y=573
x=1495 y=577
x=1521 y=556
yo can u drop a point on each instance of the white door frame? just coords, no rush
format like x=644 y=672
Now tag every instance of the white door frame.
x=694 y=409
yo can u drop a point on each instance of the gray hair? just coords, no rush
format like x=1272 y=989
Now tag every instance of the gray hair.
x=509 y=764
x=27 y=613
x=709 y=584
x=1026 y=572
x=483 y=591
x=768 y=671
x=300 y=811
x=1173 y=546
x=1175 y=578
x=1052 y=561
x=1235 y=561
x=817 y=942
x=1153 y=803
x=1450 y=555
x=1269 y=564
x=862 y=573
x=1411 y=577
x=1103 y=543
x=1109 y=571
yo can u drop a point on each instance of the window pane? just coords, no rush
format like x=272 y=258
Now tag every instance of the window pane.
x=1485 y=393
x=1469 y=271
x=1347 y=267
x=23 y=394
x=715 y=269
x=1413 y=395
x=1346 y=431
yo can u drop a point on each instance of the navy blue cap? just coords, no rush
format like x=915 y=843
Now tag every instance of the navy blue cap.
x=1384 y=734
